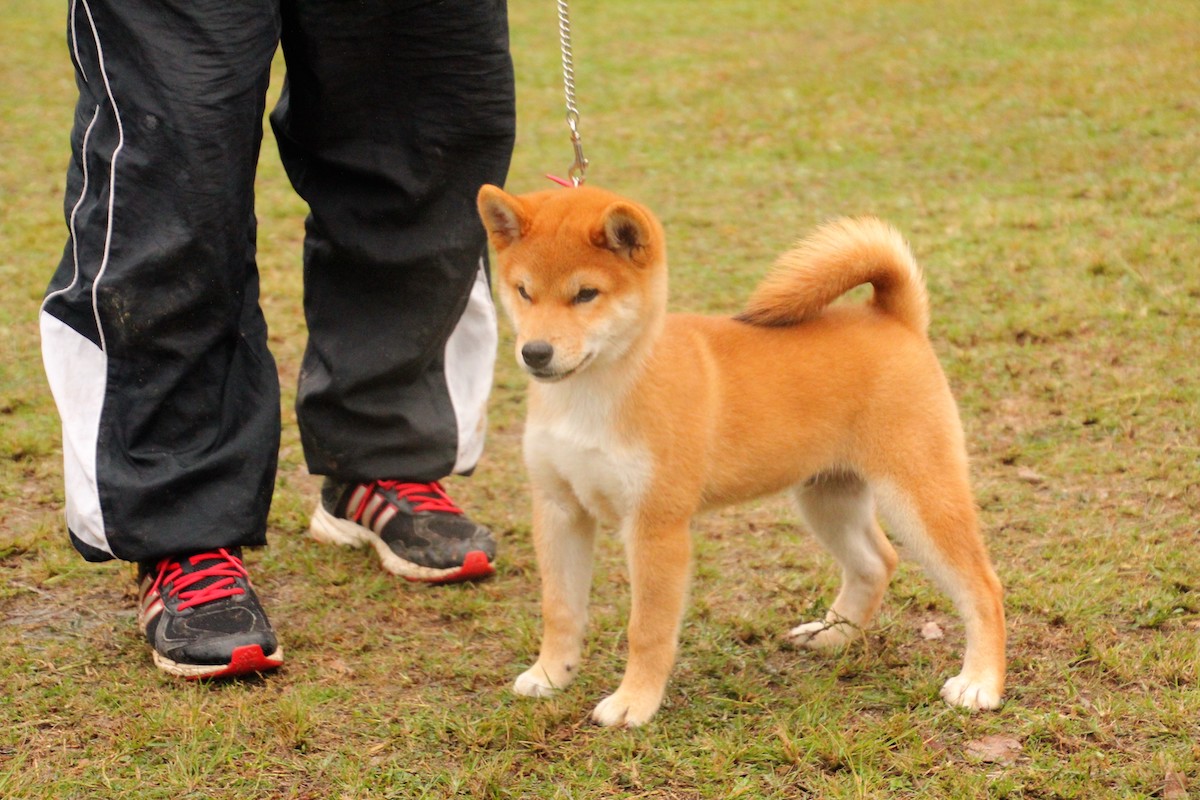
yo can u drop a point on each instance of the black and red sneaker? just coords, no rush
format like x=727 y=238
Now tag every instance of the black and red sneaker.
x=202 y=618
x=417 y=530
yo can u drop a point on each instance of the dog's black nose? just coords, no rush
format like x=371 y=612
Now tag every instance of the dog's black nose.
x=537 y=354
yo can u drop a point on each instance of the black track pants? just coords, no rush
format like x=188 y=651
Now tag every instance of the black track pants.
x=393 y=114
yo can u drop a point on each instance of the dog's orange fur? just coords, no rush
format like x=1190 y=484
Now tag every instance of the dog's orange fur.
x=647 y=418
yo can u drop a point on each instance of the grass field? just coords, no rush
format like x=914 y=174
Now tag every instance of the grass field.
x=1043 y=158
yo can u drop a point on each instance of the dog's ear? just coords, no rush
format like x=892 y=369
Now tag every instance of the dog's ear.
x=503 y=215
x=625 y=230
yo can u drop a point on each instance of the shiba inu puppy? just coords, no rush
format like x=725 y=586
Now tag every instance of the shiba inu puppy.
x=645 y=418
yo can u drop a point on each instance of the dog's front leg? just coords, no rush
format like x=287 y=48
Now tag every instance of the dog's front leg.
x=564 y=538
x=659 y=567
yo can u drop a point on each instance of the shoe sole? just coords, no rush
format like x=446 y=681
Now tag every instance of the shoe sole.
x=328 y=529
x=242 y=661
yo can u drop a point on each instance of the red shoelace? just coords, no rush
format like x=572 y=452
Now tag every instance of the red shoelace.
x=226 y=569
x=422 y=496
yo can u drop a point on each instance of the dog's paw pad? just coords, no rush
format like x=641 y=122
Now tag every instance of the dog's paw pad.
x=823 y=635
x=533 y=683
x=966 y=693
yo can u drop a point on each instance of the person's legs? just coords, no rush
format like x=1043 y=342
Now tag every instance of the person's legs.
x=393 y=115
x=153 y=340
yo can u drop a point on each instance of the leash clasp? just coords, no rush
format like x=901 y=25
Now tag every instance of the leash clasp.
x=579 y=167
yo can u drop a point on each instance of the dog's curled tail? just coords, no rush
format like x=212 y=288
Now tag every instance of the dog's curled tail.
x=833 y=260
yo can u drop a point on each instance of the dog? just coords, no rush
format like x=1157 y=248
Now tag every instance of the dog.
x=643 y=419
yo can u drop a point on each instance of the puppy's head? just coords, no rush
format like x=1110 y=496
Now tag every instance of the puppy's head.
x=581 y=273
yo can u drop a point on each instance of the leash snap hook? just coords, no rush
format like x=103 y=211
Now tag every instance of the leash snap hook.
x=579 y=167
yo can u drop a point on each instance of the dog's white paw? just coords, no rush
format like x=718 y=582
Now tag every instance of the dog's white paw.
x=824 y=635
x=625 y=709
x=534 y=682
x=973 y=694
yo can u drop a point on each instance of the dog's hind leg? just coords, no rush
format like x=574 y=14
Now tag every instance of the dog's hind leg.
x=564 y=539
x=659 y=566
x=839 y=511
x=929 y=508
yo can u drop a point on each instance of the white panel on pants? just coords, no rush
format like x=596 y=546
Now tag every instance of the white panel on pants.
x=470 y=359
x=78 y=373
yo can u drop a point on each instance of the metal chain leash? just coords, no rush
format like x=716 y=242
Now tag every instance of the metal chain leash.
x=577 y=170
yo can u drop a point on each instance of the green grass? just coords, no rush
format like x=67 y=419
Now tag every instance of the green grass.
x=1041 y=156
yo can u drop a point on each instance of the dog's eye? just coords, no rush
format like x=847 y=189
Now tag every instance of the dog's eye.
x=521 y=291
x=585 y=296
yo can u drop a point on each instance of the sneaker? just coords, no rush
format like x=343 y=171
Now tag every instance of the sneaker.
x=417 y=530
x=202 y=618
